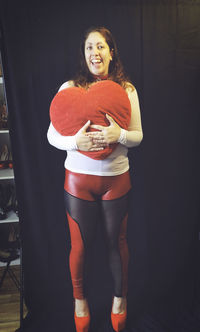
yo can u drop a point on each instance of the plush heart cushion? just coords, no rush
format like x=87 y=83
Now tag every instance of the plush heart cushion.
x=72 y=107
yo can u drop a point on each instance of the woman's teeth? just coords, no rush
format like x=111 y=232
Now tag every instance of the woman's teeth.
x=96 y=61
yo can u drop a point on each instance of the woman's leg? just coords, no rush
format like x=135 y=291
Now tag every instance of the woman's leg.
x=82 y=219
x=115 y=213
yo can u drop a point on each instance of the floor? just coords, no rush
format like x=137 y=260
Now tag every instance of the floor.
x=9 y=303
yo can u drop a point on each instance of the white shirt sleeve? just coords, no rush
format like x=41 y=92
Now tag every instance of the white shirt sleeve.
x=134 y=135
x=66 y=85
x=59 y=141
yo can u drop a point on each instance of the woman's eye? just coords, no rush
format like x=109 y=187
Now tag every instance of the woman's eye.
x=100 y=46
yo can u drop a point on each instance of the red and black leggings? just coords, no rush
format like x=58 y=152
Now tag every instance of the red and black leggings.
x=84 y=196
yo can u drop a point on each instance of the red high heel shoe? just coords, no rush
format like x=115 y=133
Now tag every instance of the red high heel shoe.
x=82 y=323
x=118 y=321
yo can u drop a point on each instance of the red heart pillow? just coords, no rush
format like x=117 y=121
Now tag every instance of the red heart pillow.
x=72 y=107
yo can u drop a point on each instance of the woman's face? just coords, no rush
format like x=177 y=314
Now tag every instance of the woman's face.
x=97 y=54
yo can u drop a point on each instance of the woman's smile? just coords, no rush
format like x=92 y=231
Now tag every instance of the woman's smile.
x=96 y=62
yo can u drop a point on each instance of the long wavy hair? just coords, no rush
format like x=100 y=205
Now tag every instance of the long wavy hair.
x=116 y=72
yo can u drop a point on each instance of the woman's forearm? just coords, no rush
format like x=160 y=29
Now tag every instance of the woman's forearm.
x=59 y=141
x=130 y=138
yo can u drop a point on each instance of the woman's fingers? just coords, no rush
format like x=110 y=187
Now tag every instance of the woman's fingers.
x=110 y=119
x=97 y=127
x=100 y=142
x=85 y=127
x=96 y=149
x=97 y=137
x=97 y=146
x=94 y=134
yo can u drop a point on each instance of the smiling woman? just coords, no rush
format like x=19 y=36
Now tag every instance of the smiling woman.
x=88 y=119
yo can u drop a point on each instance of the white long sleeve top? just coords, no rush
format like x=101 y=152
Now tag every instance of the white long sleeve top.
x=117 y=162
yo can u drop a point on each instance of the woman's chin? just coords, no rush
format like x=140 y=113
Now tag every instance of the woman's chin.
x=98 y=73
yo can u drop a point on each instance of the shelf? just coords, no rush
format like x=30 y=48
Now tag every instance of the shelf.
x=15 y=262
x=6 y=174
x=4 y=131
x=11 y=217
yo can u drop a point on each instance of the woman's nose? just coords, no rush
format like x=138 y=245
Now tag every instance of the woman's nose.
x=95 y=51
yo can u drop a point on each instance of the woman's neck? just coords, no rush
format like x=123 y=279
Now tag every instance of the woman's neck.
x=100 y=77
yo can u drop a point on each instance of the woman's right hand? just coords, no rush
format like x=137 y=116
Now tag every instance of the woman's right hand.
x=85 y=143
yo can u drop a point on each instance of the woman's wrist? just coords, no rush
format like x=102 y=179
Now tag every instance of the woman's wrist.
x=72 y=145
x=122 y=137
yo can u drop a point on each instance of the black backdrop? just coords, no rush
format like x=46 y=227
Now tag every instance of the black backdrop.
x=159 y=43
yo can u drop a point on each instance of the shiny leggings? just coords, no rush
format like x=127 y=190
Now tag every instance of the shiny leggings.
x=85 y=196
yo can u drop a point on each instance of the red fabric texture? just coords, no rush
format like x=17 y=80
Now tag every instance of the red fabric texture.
x=72 y=107
x=88 y=187
x=76 y=258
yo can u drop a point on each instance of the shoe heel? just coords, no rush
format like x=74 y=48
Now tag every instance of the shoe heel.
x=82 y=323
x=118 y=321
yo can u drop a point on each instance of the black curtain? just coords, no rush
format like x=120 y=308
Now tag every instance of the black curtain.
x=159 y=44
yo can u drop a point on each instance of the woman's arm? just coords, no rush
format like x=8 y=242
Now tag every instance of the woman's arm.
x=134 y=135
x=59 y=141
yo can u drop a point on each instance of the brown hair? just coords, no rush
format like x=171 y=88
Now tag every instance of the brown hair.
x=116 y=71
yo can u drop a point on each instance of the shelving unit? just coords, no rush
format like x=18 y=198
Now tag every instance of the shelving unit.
x=6 y=173
x=11 y=218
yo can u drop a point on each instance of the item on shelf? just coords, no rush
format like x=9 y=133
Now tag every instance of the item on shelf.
x=10 y=160
x=8 y=199
x=8 y=254
x=15 y=203
x=3 y=115
x=12 y=204
x=4 y=254
x=5 y=157
x=3 y=214
x=5 y=192
x=4 y=154
x=14 y=238
x=8 y=257
x=9 y=237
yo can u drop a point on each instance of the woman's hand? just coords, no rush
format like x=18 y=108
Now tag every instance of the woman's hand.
x=106 y=135
x=85 y=143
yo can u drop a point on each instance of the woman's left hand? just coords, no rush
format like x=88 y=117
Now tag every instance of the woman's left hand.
x=108 y=135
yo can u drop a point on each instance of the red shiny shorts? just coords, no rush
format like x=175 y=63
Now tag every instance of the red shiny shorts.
x=94 y=187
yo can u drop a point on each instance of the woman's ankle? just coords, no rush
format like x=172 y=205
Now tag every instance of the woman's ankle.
x=119 y=305
x=81 y=307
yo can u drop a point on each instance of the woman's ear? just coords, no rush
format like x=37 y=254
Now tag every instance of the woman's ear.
x=111 y=54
